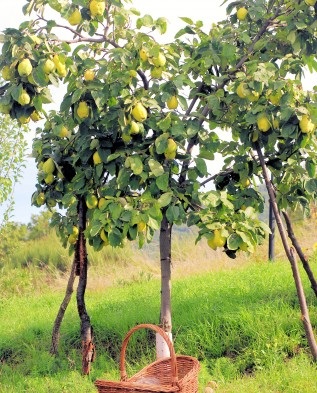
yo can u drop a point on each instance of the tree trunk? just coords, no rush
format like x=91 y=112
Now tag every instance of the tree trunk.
x=166 y=309
x=300 y=253
x=88 y=348
x=291 y=257
x=62 y=309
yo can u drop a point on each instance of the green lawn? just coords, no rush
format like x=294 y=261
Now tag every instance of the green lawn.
x=242 y=324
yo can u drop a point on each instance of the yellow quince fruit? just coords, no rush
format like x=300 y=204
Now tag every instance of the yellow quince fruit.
x=35 y=116
x=306 y=125
x=97 y=8
x=263 y=123
x=49 y=66
x=24 y=98
x=143 y=54
x=139 y=112
x=48 y=166
x=7 y=73
x=96 y=158
x=83 y=110
x=242 y=13
x=172 y=102
x=75 y=18
x=25 y=67
x=160 y=60
x=89 y=75
x=170 y=151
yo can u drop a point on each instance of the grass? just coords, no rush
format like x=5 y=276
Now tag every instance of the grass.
x=240 y=318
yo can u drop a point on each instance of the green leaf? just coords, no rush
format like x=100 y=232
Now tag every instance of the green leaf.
x=76 y=95
x=161 y=143
x=136 y=165
x=162 y=182
x=156 y=168
x=234 y=241
x=186 y=20
x=161 y=24
x=172 y=213
x=165 y=199
x=311 y=186
x=201 y=167
x=96 y=228
x=115 y=237
x=115 y=210
x=165 y=123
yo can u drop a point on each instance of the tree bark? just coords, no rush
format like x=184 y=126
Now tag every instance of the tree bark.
x=165 y=256
x=62 y=309
x=88 y=347
x=300 y=253
x=291 y=257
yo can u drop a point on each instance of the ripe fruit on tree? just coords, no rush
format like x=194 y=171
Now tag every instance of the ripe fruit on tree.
x=242 y=13
x=7 y=73
x=170 y=151
x=160 y=60
x=24 y=98
x=25 y=67
x=310 y=2
x=96 y=158
x=60 y=66
x=72 y=238
x=172 y=102
x=75 y=18
x=101 y=202
x=156 y=72
x=143 y=54
x=141 y=226
x=91 y=201
x=134 y=128
x=104 y=237
x=49 y=178
x=49 y=66
x=24 y=119
x=40 y=199
x=89 y=75
x=139 y=112
x=253 y=96
x=263 y=123
x=83 y=110
x=97 y=8
x=245 y=183
x=275 y=97
x=48 y=166
x=217 y=240
x=242 y=90
x=63 y=132
x=306 y=125
x=35 y=116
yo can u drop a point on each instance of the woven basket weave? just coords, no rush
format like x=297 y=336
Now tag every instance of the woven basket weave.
x=176 y=373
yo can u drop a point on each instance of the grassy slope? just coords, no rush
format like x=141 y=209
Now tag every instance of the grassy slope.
x=240 y=318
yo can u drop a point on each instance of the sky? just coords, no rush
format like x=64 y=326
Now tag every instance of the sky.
x=11 y=16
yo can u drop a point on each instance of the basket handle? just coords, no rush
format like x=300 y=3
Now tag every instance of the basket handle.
x=169 y=343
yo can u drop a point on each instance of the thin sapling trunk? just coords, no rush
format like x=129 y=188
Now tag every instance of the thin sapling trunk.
x=88 y=347
x=291 y=257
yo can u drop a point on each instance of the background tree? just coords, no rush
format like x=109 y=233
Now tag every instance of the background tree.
x=13 y=146
x=136 y=135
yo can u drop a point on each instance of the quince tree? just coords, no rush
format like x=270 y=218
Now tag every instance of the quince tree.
x=141 y=125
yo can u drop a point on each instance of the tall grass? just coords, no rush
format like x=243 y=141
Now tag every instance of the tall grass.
x=242 y=324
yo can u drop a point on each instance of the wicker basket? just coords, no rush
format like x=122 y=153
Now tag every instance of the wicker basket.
x=172 y=374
